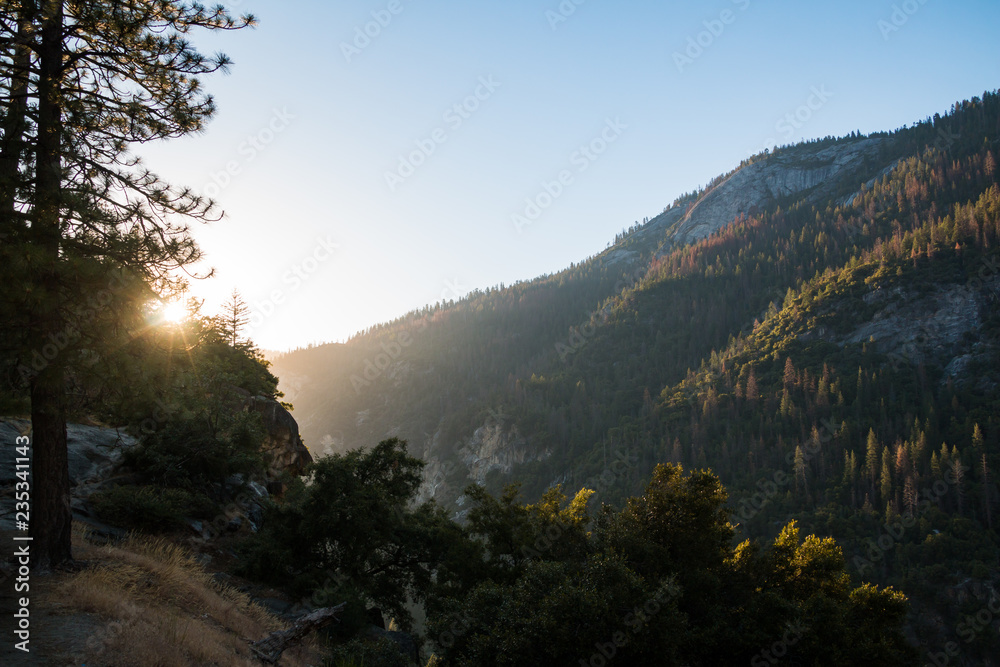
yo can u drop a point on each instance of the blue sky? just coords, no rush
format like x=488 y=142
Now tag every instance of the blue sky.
x=629 y=103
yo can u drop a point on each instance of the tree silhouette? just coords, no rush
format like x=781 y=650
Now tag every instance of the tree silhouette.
x=235 y=315
x=81 y=214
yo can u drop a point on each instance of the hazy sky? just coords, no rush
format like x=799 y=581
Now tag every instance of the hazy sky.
x=371 y=155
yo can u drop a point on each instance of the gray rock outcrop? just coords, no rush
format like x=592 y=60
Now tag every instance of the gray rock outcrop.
x=755 y=186
x=93 y=451
x=283 y=445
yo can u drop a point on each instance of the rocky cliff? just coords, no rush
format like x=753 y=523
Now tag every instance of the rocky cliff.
x=283 y=445
x=767 y=180
x=494 y=447
x=942 y=325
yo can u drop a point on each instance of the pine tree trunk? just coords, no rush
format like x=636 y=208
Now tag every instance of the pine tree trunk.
x=986 y=493
x=51 y=516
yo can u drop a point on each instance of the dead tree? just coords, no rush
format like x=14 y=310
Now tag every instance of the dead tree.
x=270 y=648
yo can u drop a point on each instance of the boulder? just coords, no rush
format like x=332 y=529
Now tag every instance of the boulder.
x=93 y=451
x=282 y=445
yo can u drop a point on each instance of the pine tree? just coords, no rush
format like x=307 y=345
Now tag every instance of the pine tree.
x=910 y=497
x=851 y=476
x=978 y=446
x=100 y=77
x=885 y=478
x=800 y=471
x=873 y=460
x=789 y=376
x=235 y=316
x=958 y=476
x=752 y=391
x=986 y=492
x=935 y=466
x=786 y=404
x=903 y=464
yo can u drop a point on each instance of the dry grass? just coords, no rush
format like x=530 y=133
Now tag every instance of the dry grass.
x=163 y=609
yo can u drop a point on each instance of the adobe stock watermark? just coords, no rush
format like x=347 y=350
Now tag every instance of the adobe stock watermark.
x=622 y=462
x=909 y=354
x=100 y=641
x=769 y=489
x=248 y=150
x=376 y=366
x=580 y=160
x=899 y=17
x=459 y=625
x=779 y=649
x=292 y=279
x=562 y=13
x=634 y=623
x=968 y=629
x=796 y=119
x=453 y=290
x=715 y=368
x=877 y=549
x=699 y=43
x=578 y=338
x=49 y=349
x=454 y=117
x=365 y=34
x=463 y=451
x=988 y=268
x=581 y=334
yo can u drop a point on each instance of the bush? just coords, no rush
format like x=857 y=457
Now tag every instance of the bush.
x=189 y=453
x=150 y=509
x=380 y=652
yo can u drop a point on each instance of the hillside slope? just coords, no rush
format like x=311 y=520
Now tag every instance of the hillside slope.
x=817 y=326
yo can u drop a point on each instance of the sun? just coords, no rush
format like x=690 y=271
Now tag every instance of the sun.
x=173 y=312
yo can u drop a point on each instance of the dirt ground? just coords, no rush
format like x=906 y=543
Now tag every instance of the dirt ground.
x=57 y=633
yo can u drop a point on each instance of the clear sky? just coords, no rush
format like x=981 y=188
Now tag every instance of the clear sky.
x=365 y=175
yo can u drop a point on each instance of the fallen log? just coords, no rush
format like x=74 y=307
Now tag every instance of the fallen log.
x=270 y=648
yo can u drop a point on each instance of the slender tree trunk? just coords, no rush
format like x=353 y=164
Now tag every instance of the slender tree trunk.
x=51 y=516
x=986 y=493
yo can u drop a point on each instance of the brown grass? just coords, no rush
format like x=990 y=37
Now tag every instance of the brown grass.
x=163 y=609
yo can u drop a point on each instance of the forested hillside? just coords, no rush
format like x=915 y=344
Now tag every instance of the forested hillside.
x=830 y=350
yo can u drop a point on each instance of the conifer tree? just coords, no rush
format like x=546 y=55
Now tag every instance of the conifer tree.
x=235 y=316
x=81 y=215
x=873 y=460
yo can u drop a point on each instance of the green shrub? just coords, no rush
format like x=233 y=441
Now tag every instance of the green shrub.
x=150 y=508
x=380 y=652
x=190 y=453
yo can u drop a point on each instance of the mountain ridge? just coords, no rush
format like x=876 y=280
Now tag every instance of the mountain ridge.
x=852 y=283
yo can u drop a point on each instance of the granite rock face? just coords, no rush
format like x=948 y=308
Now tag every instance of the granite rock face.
x=494 y=447
x=755 y=186
x=943 y=326
x=94 y=451
x=283 y=445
